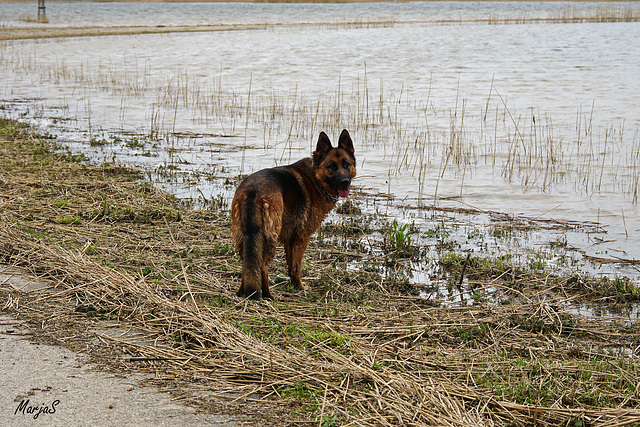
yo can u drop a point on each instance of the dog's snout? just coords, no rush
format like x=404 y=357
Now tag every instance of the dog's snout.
x=345 y=182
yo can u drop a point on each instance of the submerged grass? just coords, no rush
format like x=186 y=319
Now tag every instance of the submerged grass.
x=431 y=143
x=355 y=350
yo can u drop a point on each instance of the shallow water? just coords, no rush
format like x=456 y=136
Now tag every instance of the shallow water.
x=67 y=14
x=539 y=121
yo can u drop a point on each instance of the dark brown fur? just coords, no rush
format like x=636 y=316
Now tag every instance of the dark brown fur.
x=287 y=204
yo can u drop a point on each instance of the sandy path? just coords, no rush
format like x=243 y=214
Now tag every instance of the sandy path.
x=50 y=385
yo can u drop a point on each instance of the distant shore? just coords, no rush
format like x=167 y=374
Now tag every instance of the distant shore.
x=20 y=33
x=284 y=1
x=43 y=30
x=235 y=1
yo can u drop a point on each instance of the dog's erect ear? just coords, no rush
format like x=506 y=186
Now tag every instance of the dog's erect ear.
x=323 y=147
x=345 y=141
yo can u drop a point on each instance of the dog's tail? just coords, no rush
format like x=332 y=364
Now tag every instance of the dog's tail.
x=248 y=233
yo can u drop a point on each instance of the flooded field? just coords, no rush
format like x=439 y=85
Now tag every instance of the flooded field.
x=519 y=138
x=483 y=271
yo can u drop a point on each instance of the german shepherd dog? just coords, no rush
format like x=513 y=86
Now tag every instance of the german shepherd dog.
x=287 y=204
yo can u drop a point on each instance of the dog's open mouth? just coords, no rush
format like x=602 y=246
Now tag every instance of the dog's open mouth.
x=344 y=192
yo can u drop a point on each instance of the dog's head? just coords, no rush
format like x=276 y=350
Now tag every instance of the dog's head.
x=335 y=167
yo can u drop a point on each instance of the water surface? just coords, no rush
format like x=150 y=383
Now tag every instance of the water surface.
x=538 y=121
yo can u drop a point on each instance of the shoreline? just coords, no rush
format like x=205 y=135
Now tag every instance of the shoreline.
x=43 y=32
x=19 y=33
x=117 y=251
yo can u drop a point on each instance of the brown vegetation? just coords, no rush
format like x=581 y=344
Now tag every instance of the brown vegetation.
x=358 y=349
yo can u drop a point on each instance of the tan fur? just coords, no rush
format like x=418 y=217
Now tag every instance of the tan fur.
x=287 y=205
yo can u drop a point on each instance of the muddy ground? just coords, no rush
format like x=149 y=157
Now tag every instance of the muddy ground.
x=143 y=287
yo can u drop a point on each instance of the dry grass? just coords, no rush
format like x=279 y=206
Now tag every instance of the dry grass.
x=356 y=350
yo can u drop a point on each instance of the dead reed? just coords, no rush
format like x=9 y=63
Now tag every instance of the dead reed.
x=415 y=138
x=359 y=349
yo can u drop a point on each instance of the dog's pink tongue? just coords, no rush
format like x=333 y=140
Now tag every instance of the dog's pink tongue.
x=343 y=193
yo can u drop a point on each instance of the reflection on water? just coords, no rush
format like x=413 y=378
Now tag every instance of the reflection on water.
x=537 y=121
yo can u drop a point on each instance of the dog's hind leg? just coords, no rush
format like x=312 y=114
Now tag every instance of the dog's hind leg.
x=256 y=221
x=294 y=250
x=266 y=293
x=248 y=234
x=272 y=225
